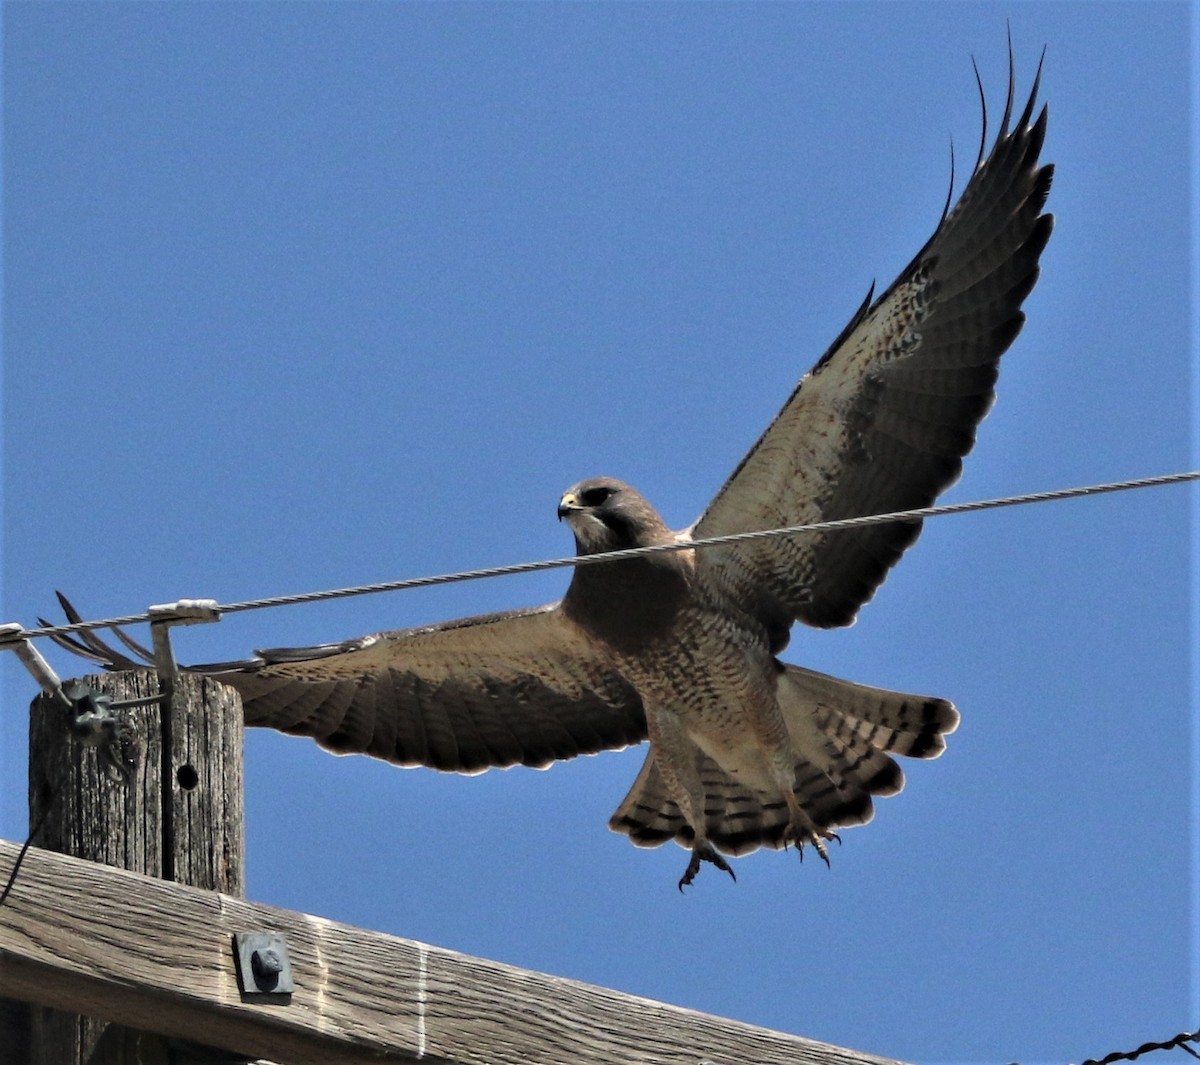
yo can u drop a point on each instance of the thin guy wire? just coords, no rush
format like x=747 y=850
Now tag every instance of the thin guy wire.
x=608 y=556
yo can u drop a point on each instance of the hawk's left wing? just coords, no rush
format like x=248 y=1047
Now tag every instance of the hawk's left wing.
x=883 y=420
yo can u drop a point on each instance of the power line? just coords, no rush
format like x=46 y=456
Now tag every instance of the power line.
x=918 y=514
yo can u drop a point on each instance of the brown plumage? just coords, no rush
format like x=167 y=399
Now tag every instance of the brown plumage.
x=681 y=647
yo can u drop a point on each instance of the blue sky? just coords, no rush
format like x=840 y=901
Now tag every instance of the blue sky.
x=308 y=295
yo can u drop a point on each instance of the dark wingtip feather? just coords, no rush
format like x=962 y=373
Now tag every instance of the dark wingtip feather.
x=75 y=647
x=87 y=644
x=242 y=665
x=1027 y=113
x=950 y=190
x=984 y=122
x=272 y=656
x=1008 y=103
x=1040 y=193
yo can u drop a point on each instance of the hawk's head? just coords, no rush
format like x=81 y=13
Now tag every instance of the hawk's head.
x=607 y=515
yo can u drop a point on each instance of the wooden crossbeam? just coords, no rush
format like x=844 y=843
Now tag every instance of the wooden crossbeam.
x=157 y=956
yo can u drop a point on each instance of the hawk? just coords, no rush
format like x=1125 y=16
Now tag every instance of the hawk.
x=682 y=647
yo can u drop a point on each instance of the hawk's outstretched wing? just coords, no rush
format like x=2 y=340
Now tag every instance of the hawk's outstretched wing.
x=519 y=688
x=883 y=420
x=524 y=687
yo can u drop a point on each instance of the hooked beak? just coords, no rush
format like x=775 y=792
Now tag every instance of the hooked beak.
x=568 y=505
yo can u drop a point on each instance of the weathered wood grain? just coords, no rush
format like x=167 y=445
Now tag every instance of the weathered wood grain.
x=177 y=815
x=157 y=957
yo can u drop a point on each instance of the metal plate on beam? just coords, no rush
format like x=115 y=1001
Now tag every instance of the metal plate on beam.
x=262 y=961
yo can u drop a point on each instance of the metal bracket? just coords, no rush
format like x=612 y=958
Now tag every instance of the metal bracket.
x=262 y=964
x=90 y=717
x=13 y=638
x=162 y=617
x=94 y=724
x=92 y=720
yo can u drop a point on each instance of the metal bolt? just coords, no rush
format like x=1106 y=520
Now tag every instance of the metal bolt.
x=265 y=963
x=262 y=964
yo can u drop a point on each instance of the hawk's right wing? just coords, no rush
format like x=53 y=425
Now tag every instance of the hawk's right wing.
x=525 y=687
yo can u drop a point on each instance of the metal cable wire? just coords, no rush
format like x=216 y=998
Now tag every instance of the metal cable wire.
x=1180 y=1041
x=918 y=514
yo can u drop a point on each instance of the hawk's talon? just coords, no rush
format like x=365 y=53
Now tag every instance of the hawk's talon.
x=816 y=837
x=703 y=852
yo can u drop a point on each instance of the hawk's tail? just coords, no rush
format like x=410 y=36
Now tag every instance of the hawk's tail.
x=912 y=725
x=842 y=735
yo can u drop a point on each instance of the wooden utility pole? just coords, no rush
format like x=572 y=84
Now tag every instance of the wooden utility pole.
x=360 y=998
x=177 y=814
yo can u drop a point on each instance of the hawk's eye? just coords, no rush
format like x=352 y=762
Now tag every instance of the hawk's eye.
x=593 y=497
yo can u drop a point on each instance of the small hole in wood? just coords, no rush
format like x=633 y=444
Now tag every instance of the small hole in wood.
x=188 y=777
